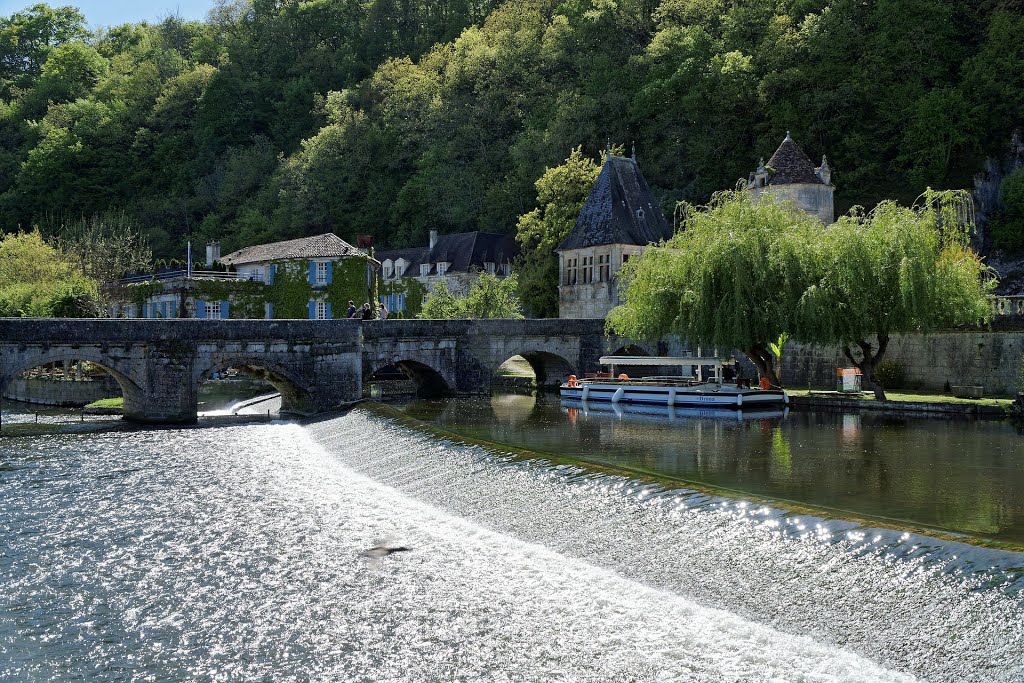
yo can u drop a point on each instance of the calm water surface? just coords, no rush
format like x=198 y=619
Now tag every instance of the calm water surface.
x=964 y=476
x=233 y=554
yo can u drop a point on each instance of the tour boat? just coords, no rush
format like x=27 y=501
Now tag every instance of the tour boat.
x=639 y=412
x=696 y=389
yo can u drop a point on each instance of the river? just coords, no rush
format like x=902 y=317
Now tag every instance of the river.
x=233 y=553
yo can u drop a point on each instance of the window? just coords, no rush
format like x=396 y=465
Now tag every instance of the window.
x=625 y=258
x=640 y=214
x=442 y=268
x=604 y=268
x=387 y=270
x=588 y=270
x=321 y=272
x=257 y=275
x=213 y=310
x=489 y=267
x=507 y=269
x=424 y=269
x=570 y=271
x=321 y=310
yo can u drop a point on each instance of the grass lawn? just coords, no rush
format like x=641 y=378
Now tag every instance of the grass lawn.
x=920 y=398
x=107 y=403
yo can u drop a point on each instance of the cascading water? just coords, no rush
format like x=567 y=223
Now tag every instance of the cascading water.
x=234 y=554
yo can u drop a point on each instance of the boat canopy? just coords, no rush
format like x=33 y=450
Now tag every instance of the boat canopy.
x=665 y=360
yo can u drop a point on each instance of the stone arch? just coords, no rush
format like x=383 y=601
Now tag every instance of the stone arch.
x=131 y=388
x=633 y=349
x=430 y=382
x=296 y=396
x=550 y=368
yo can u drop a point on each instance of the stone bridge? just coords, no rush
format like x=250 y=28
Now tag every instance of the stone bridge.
x=316 y=365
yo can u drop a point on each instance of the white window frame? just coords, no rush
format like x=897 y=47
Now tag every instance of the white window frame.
x=214 y=306
x=424 y=269
x=321 y=310
x=489 y=266
x=320 y=275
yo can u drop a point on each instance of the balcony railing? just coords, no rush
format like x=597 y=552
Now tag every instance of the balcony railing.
x=1008 y=306
x=180 y=274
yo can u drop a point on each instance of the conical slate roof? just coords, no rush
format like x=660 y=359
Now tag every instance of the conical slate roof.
x=621 y=209
x=789 y=164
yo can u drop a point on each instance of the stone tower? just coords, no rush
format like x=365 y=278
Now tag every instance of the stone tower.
x=790 y=175
x=619 y=219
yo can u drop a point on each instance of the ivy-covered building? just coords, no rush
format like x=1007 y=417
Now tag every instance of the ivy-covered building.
x=407 y=275
x=308 y=278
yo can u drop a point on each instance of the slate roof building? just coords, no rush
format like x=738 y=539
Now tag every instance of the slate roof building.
x=790 y=175
x=320 y=273
x=458 y=259
x=619 y=219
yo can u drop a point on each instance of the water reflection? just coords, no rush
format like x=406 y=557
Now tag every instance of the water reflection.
x=964 y=476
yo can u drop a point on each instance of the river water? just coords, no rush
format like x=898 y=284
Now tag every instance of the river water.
x=234 y=554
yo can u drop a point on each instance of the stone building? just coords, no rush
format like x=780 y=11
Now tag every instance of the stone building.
x=308 y=278
x=790 y=175
x=619 y=219
x=458 y=259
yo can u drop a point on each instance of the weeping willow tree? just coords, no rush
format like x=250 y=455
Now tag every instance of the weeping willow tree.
x=895 y=270
x=732 y=278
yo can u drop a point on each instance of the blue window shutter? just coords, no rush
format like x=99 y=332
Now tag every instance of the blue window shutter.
x=200 y=309
x=224 y=309
x=330 y=272
x=312 y=310
x=329 y=316
x=271 y=273
x=270 y=311
x=312 y=272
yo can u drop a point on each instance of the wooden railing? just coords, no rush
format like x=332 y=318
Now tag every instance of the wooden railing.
x=1008 y=306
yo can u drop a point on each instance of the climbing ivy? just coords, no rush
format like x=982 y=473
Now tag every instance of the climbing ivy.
x=414 y=292
x=246 y=297
x=348 y=283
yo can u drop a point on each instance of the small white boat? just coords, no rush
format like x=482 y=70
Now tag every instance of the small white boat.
x=682 y=390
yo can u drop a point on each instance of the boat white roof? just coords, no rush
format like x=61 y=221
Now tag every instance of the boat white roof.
x=664 y=360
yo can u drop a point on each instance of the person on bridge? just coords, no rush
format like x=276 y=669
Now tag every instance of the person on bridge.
x=383 y=312
x=367 y=312
x=351 y=313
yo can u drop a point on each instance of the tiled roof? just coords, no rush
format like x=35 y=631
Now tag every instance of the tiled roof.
x=789 y=165
x=465 y=251
x=327 y=245
x=621 y=209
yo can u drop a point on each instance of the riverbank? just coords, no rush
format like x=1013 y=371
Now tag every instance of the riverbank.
x=902 y=403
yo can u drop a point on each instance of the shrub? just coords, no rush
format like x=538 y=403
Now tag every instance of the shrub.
x=1008 y=224
x=891 y=374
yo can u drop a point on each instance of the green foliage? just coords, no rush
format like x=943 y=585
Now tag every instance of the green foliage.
x=891 y=375
x=488 y=297
x=415 y=292
x=274 y=120
x=38 y=280
x=745 y=272
x=1008 y=226
x=561 y=193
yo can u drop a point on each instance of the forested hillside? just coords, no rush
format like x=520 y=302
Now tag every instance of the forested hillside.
x=278 y=118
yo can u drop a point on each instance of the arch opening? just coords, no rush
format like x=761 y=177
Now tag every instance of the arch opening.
x=249 y=386
x=532 y=370
x=405 y=378
x=69 y=380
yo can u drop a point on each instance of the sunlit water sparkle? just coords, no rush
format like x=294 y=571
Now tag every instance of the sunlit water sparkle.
x=233 y=554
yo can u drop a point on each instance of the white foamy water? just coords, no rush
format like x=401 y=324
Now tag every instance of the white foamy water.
x=233 y=554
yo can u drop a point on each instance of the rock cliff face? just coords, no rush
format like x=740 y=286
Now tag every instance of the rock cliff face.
x=987 y=200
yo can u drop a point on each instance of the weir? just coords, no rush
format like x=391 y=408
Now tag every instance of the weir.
x=317 y=365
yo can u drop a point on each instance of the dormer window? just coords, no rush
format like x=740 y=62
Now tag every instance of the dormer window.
x=507 y=268
x=640 y=214
x=424 y=269
x=442 y=268
x=489 y=266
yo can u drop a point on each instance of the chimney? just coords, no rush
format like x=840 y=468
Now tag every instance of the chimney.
x=433 y=238
x=212 y=253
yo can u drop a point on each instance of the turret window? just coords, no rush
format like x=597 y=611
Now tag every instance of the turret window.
x=604 y=267
x=588 y=269
x=570 y=271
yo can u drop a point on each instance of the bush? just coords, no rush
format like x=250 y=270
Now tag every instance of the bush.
x=1008 y=224
x=891 y=375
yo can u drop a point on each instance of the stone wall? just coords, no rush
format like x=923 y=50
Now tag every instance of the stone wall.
x=989 y=359
x=50 y=392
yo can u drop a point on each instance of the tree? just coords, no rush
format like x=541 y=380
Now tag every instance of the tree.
x=37 y=280
x=561 y=193
x=730 y=279
x=896 y=270
x=105 y=247
x=488 y=297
